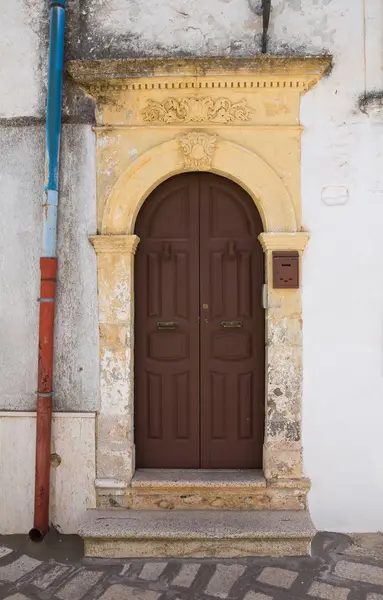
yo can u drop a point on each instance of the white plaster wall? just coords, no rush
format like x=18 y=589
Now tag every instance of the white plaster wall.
x=72 y=482
x=343 y=280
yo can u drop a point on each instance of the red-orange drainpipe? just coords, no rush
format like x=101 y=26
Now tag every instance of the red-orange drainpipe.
x=48 y=268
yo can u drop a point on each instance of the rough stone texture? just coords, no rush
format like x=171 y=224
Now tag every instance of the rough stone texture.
x=360 y=572
x=4 y=551
x=328 y=592
x=196 y=533
x=215 y=490
x=187 y=575
x=122 y=592
x=198 y=548
x=17 y=569
x=79 y=585
x=46 y=580
x=152 y=571
x=278 y=577
x=223 y=580
x=196 y=478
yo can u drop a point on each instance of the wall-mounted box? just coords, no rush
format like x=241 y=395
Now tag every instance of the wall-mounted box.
x=286 y=269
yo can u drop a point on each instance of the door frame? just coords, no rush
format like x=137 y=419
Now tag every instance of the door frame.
x=238 y=119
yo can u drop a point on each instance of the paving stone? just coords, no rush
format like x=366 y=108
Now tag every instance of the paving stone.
x=328 y=592
x=223 y=580
x=152 y=571
x=374 y=597
x=79 y=585
x=122 y=592
x=359 y=572
x=257 y=596
x=124 y=570
x=16 y=597
x=187 y=575
x=45 y=580
x=4 y=551
x=278 y=577
x=18 y=568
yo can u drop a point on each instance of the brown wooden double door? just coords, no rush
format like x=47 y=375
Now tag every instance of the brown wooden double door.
x=199 y=327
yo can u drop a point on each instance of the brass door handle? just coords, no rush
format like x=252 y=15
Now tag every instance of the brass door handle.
x=166 y=325
x=231 y=324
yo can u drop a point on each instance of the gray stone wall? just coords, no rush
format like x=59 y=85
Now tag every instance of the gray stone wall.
x=76 y=345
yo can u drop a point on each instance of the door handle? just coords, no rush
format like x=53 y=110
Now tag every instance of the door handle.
x=231 y=324
x=166 y=325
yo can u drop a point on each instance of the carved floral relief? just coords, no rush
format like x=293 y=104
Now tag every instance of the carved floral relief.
x=196 y=110
x=197 y=149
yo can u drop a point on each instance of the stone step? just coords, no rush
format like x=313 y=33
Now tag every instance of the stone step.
x=120 y=533
x=156 y=489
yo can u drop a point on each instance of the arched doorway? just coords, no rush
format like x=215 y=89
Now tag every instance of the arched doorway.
x=199 y=327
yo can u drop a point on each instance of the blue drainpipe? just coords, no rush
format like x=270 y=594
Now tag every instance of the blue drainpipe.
x=53 y=125
x=48 y=268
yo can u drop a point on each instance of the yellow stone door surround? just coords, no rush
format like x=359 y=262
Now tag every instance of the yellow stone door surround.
x=238 y=118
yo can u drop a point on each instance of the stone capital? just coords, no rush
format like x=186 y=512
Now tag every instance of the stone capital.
x=114 y=243
x=284 y=241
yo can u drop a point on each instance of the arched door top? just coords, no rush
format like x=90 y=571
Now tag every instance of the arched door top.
x=235 y=162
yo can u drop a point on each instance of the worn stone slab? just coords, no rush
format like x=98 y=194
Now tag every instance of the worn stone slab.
x=124 y=570
x=152 y=571
x=187 y=575
x=327 y=591
x=79 y=585
x=278 y=577
x=195 y=478
x=17 y=597
x=4 y=551
x=223 y=580
x=122 y=592
x=374 y=597
x=195 y=548
x=45 y=580
x=18 y=568
x=197 y=524
x=257 y=596
x=359 y=572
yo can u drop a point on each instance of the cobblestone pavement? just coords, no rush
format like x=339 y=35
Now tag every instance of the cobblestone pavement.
x=341 y=567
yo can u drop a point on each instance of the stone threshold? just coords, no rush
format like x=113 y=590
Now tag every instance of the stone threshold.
x=168 y=479
x=195 y=489
x=196 y=533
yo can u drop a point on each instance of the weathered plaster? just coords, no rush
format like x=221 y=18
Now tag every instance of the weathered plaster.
x=72 y=472
x=76 y=342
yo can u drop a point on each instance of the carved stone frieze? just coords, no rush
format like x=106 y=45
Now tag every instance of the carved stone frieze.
x=197 y=149
x=195 y=109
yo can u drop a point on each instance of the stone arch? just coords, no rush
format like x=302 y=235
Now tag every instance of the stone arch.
x=230 y=160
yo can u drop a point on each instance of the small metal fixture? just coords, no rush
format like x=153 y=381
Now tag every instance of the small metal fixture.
x=166 y=325
x=226 y=324
x=286 y=270
x=266 y=9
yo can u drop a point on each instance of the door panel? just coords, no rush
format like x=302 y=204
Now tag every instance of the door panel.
x=232 y=327
x=166 y=332
x=199 y=335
